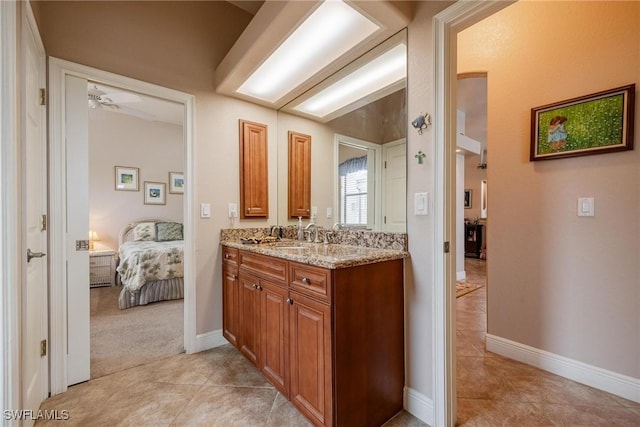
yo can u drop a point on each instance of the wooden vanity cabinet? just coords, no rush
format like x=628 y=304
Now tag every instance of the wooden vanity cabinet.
x=274 y=331
x=299 y=175
x=310 y=363
x=264 y=316
x=332 y=341
x=249 y=317
x=230 y=295
x=254 y=176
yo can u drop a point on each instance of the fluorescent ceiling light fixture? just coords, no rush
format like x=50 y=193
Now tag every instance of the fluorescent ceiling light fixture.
x=384 y=71
x=330 y=31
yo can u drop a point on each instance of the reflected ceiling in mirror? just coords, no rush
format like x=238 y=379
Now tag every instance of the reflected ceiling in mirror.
x=375 y=122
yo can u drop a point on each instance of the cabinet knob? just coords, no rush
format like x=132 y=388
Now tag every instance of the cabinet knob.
x=233 y=276
x=254 y=286
x=306 y=280
x=289 y=301
x=259 y=287
x=227 y=256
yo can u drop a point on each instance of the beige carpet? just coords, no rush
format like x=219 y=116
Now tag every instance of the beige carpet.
x=121 y=339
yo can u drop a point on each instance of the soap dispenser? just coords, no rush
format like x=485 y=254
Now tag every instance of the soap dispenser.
x=300 y=230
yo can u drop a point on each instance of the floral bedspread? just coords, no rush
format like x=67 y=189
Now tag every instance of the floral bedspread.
x=148 y=261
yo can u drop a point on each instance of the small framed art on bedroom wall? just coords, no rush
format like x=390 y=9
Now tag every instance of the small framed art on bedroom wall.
x=155 y=193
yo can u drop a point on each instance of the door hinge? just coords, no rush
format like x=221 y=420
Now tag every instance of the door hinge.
x=446 y=247
x=43 y=348
x=43 y=96
x=43 y=222
x=385 y=164
x=385 y=219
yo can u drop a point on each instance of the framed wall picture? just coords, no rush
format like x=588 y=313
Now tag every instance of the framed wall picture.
x=176 y=183
x=598 y=123
x=467 y=198
x=155 y=193
x=126 y=178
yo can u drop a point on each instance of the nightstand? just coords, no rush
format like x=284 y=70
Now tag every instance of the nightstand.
x=102 y=268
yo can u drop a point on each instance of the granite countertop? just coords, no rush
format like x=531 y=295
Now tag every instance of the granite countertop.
x=322 y=255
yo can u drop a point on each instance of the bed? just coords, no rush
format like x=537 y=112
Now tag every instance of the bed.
x=150 y=262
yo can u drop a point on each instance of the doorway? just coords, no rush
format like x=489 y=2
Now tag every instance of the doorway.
x=447 y=24
x=60 y=71
x=140 y=137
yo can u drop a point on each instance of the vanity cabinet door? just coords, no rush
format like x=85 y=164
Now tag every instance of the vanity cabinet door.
x=250 y=317
x=230 y=304
x=274 y=326
x=254 y=177
x=299 y=175
x=311 y=384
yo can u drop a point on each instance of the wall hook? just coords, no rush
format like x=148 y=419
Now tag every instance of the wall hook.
x=420 y=156
x=423 y=121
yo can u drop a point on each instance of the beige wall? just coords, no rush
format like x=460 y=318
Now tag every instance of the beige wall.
x=155 y=148
x=176 y=45
x=558 y=282
x=419 y=268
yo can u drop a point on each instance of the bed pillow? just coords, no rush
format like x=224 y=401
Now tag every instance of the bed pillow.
x=144 y=231
x=168 y=231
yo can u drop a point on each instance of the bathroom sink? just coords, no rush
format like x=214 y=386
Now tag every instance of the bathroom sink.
x=289 y=245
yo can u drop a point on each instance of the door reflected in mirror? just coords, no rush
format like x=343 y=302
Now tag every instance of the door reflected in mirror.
x=358 y=155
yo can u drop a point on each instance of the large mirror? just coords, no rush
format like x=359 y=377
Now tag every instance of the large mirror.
x=358 y=146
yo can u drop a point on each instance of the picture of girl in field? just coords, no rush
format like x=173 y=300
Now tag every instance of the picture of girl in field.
x=557 y=133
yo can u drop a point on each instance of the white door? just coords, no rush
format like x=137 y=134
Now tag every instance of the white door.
x=77 y=189
x=34 y=320
x=394 y=214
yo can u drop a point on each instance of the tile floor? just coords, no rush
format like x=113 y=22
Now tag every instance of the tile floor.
x=220 y=388
x=495 y=391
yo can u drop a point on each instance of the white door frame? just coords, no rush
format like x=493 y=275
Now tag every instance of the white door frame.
x=58 y=70
x=10 y=245
x=447 y=25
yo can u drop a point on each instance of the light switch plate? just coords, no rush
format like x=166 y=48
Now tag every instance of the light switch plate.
x=421 y=204
x=329 y=213
x=586 y=206
x=205 y=210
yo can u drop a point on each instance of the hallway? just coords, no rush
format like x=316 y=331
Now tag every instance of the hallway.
x=495 y=391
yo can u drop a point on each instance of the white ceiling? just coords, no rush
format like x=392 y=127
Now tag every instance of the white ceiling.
x=147 y=108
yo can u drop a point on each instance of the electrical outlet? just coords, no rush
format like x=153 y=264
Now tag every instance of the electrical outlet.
x=233 y=210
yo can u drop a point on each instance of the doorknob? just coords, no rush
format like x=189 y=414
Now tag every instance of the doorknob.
x=31 y=255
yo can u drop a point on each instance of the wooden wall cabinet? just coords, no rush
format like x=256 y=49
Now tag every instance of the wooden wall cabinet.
x=254 y=176
x=299 y=175
x=331 y=341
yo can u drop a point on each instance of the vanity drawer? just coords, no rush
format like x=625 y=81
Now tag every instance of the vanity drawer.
x=230 y=256
x=264 y=266
x=312 y=281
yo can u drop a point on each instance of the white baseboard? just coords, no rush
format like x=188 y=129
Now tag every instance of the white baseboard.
x=461 y=275
x=210 y=340
x=418 y=405
x=602 y=379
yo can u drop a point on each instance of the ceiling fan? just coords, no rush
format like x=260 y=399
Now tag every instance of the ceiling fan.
x=98 y=98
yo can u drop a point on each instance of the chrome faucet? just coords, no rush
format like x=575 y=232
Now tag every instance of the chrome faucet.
x=315 y=232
